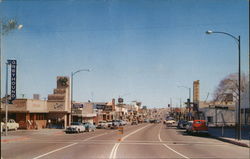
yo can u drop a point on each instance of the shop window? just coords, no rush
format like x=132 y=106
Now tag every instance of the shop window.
x=40 y=117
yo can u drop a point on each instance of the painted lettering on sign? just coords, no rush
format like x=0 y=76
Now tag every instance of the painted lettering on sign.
x=58 y=106
x=13 y=64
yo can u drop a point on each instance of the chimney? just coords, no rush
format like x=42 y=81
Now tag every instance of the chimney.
x=196 y=91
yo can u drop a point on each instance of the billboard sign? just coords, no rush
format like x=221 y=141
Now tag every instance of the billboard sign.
x=77 y=105
x=100 y=106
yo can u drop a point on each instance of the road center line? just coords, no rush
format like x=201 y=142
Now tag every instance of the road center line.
x=159 y=136
x=115 y=148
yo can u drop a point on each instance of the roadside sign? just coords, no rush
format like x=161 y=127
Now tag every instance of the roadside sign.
x=13 y=64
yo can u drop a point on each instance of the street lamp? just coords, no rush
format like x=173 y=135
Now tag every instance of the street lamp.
x=239 y=77
x=5 y=28
x=72 y=75
x=189 y=89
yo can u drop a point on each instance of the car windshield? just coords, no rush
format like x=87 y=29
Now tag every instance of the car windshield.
x=125 y=79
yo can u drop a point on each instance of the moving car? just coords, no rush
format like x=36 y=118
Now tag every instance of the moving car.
x=170 y=122
x=89 y=126
x=152 y=120
x=182 y=124
x=197 y=126
x=102 y=125
x=11 y=125
x=75 y=127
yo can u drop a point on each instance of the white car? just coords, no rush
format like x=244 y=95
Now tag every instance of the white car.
x=109 y=123
x=11 y=125
x=102 y=125
x=75 y=127
x=170 y=122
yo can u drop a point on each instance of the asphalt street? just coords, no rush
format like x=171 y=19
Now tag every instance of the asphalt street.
x=137 y=141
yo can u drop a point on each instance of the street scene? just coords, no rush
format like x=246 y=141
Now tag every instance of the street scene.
x=124 y=79
x=147 y=140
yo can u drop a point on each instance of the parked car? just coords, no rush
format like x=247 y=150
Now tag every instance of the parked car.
x=89 y=126
x=122 y=123
x=115 y=124
x=109 y=123
x=158 y=121
x=11 y=125
x=152 y=120
x=102 y=125
x=182 y=124
x=146 y=120
x=198 y=126
x=75 y=127
x=134 y=122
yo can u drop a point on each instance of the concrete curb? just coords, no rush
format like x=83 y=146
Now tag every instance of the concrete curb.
x=231 y=141
x=14 y=139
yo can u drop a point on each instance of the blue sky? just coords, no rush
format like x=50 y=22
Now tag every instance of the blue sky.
x=138 y=49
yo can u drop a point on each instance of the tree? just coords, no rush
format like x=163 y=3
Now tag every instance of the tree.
x=229 y=86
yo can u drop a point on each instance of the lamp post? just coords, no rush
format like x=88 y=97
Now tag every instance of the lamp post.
x=239 y=78
x=189 y=90
x=5 y=28
x=72 y=75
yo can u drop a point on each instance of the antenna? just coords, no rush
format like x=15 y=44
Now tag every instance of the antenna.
x=207 y=96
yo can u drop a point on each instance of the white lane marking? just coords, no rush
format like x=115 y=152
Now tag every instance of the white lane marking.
x=54 y=151
x=115 y=148
x=159 y=136
x=111 y=156
x=68 y=146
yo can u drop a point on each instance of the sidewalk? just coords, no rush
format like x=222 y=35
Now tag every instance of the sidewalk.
x=27 y=134
x=229 y=135
x=13 y=138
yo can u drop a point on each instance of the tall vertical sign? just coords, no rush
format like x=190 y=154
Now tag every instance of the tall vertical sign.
x=13 y=64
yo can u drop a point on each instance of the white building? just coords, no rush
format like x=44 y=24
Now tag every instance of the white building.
x=219 y=117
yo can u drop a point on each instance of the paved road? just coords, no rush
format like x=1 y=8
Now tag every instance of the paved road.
x=138 y=141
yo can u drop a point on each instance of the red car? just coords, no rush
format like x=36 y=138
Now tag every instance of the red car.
x=198 y=126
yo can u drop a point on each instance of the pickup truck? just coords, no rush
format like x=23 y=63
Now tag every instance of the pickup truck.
x=11 y=125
